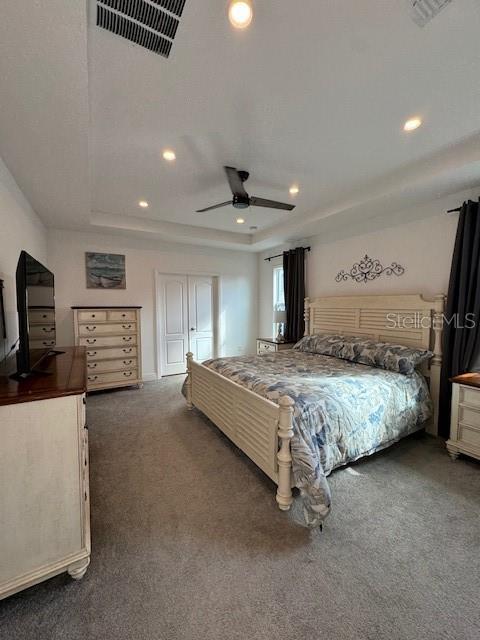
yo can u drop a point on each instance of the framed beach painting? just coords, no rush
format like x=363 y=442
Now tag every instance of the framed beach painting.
x=105 y=271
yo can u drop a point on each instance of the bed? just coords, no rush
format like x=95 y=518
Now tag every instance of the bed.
x=300 y=415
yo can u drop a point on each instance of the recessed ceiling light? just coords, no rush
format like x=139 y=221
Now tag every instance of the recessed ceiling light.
x=240 y=13
x=412 y=124
x=143 y=204
x=240 y=220
x=294 y=190
x=169 y=155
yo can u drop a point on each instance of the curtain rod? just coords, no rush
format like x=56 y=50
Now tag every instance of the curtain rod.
x=454 y=210
x=281 y=254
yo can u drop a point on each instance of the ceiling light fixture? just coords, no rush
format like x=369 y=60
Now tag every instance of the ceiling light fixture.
x=240 y=13
x=294 y=190
x=412 y=124
x=240 y=220
x=169 y=155
x=143 y=204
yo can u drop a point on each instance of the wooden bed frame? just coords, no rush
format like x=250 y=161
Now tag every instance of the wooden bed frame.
x=262 y=429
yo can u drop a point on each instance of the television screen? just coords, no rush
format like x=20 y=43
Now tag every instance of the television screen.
x=36 y=312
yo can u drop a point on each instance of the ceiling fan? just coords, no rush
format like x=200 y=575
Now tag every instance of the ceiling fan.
x=241 y=199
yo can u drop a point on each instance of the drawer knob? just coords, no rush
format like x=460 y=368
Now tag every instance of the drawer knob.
x=92 y=365
x=127 y=374
x=91 y=340
x=129 y=350
x=90 y=328
x=127 y=362
x=127 y=338
x=92 y=378
x=92 y=353
x=47 y=329
x=127 y=326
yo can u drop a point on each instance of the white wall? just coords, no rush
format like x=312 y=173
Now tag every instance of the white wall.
x=237 y=283
x=20 y=228
x=420 y=239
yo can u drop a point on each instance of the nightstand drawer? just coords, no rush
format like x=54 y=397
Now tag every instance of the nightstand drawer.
x=470 y=396
x=265 y=347
x=469 y=435
x=469 y=416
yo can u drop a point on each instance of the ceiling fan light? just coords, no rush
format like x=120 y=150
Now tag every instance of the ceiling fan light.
x=240 y=13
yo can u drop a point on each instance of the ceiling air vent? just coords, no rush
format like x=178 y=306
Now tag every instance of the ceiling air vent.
x=151 y=24
x=423 y=11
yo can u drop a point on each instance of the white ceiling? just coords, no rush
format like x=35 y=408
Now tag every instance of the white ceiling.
x=315 y=96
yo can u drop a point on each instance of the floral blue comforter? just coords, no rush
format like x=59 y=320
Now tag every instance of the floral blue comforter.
x=343 y=411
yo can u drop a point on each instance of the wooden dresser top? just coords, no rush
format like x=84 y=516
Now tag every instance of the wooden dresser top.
x=66 y=375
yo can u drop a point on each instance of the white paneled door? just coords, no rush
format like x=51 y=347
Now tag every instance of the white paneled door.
x=186 y=320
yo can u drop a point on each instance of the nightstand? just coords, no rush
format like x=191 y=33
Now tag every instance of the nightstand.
x=270 y=345
x=465 y=421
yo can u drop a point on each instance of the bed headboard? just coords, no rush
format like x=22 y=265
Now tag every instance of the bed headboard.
x=411 y=320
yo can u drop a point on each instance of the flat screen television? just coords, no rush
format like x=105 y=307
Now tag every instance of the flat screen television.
x=36 y=313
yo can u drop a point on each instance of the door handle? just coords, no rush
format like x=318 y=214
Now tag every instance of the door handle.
x=192 y=328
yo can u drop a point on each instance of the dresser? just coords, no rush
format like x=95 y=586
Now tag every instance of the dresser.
x=465 y=421
x=270 y=345
x=42 y=327
x=112 y=338
x=44 y=489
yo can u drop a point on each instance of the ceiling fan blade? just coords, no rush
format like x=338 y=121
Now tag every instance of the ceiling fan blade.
x=215 y=206
x=235 y=182
x=270 y=204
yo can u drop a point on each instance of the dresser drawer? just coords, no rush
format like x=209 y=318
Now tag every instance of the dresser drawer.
x=41 y=344
x=39 y=332
x=38 y=316
x=122 y=316
x=469 y=416
x=470 y=396
x=107 y=329
x=111 y=365
x=100 y=379
x=94 y=314
x=108 y=341
x=109 y=354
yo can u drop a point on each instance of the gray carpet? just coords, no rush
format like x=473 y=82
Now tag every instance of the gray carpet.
x=189 y=545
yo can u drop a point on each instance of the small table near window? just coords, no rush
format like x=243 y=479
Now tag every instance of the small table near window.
x=270 y=345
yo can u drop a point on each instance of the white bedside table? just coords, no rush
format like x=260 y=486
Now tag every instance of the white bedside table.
x=270 y=345
x=465 y=421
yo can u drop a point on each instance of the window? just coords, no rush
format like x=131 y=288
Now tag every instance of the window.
x=278 y=295
x=278 y=290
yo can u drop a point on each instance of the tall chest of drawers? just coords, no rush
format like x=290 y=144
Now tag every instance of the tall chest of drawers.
x=113 y=341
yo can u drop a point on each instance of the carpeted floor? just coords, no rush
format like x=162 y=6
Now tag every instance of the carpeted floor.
x=189 y=545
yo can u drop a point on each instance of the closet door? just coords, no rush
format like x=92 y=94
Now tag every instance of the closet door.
x=173 y=315
x=200 y=316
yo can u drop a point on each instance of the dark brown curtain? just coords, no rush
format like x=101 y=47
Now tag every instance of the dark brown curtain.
x=461 y=330
x=294 y=283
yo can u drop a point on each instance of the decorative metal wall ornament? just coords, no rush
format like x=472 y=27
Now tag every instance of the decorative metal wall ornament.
x=368 y=269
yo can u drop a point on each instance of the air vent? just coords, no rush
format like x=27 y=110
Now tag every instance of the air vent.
x=423 y=11
x=152 y=24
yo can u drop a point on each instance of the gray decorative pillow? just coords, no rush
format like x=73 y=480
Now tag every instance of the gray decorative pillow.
x=383 y=355
x=325 y=344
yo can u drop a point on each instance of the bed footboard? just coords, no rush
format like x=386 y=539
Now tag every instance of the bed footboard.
x=260 y=428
